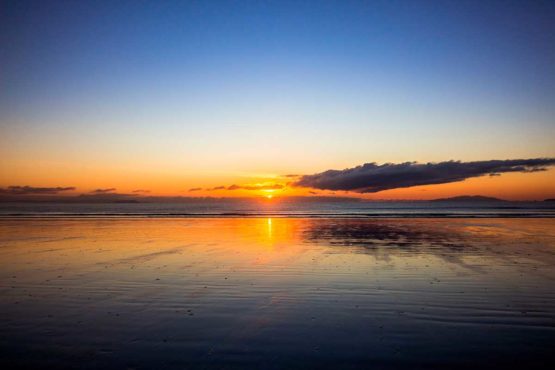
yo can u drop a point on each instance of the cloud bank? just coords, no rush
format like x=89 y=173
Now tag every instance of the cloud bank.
x=30 y=190
x=372 y=178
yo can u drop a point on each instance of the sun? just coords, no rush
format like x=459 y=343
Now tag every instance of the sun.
x=269 y=196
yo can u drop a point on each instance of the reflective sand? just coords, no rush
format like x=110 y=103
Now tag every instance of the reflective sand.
x=277 y=293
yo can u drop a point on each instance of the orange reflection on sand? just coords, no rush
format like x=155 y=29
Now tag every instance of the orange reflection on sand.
x=84 y=244
x=237 y=244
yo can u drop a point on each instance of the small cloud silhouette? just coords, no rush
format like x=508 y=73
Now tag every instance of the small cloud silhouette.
x=372 y=178
x=248 y=187
x=255 y=187
x=140 y=191
x=195 y=189
x=30 y=190
x=217 y=188
x=103 y=191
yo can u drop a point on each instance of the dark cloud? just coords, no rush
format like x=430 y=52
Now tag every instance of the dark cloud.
x=255 y=187
x=195 y=189
x=248 y=187
x=372 y=178
x=103 y=191
x=141 y=191
x=29 y=190
x=217 y=188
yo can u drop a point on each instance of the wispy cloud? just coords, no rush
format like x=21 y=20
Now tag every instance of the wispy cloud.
x=29 y=190
x=245 y=187
x=255 y=187
x=141 y=191
x=195 y=189
x=217 y=188
x=372 y=178
x=103 y=191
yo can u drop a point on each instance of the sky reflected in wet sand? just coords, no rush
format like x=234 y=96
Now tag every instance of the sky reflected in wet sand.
x=277 y=293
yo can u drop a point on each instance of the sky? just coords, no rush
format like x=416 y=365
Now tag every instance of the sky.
x=232 y=98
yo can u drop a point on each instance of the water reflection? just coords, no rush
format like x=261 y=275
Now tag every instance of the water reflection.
x=454 y=241
x=277 y=293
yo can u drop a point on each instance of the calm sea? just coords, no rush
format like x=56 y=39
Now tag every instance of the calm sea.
x=286 y=207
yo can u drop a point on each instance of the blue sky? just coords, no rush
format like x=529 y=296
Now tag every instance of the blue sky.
x=276 y=86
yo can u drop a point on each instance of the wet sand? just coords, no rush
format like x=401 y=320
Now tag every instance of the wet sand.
x=277 y=293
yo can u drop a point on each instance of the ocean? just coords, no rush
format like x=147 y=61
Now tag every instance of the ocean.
x=285 y=208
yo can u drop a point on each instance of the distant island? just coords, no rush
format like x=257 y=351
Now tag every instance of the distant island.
x=469 y=198
x=550 y=200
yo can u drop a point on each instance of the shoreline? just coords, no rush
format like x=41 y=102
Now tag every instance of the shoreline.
x=276 y=215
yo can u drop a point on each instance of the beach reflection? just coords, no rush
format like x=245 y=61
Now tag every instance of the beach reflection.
x=453 y=241
x=276 y=292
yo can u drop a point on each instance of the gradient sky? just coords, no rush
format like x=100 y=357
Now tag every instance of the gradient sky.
x=169 y=96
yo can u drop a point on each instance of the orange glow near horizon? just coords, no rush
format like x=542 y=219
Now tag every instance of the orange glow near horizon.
x=510 y=186
x=242 y=101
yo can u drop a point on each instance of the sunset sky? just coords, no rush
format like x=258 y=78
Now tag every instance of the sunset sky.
x=194 y=98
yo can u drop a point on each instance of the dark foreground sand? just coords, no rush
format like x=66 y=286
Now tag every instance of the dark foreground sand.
x=277 y=293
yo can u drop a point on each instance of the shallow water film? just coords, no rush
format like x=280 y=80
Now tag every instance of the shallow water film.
x=277 y=293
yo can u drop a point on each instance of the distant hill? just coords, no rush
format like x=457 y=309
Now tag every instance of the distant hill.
x=469 y=198
x=550 y=200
